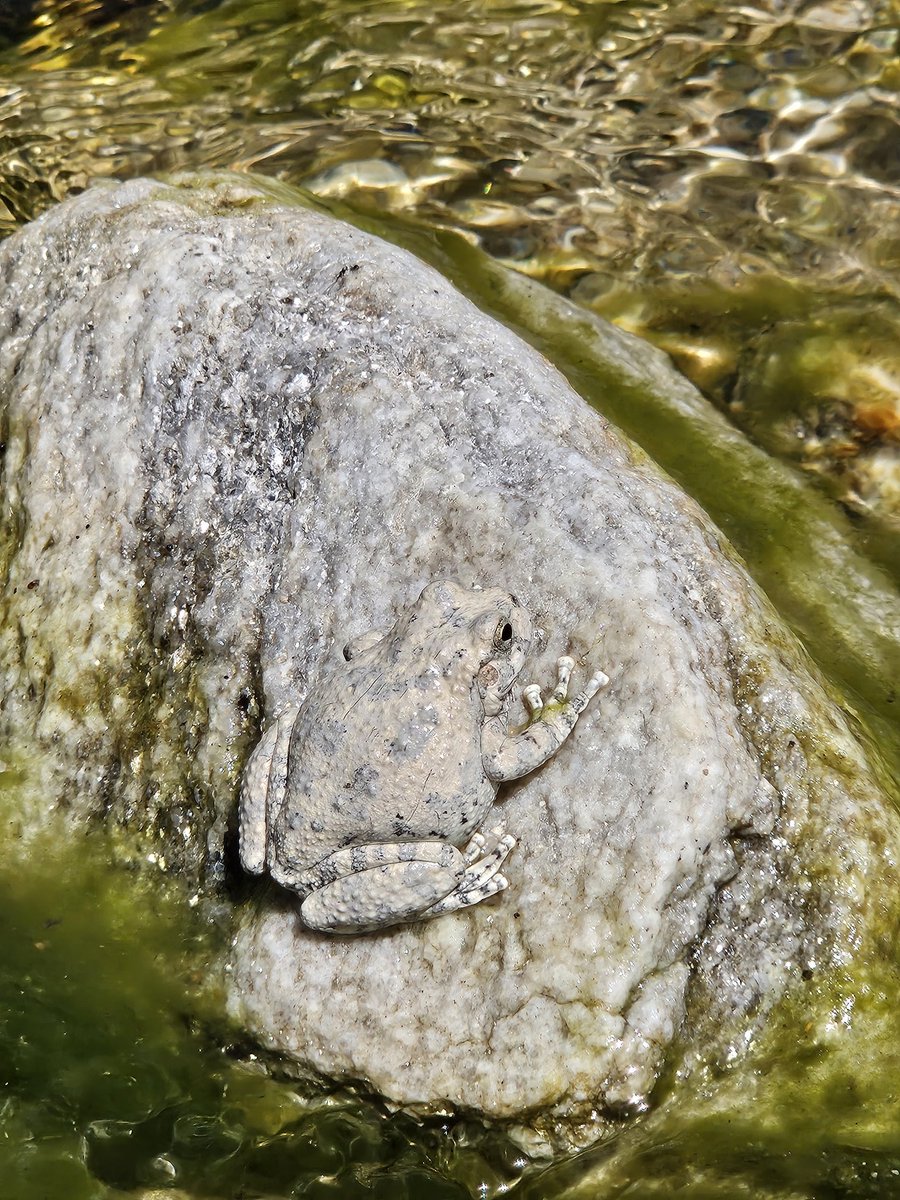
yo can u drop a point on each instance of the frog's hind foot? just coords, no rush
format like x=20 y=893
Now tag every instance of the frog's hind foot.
x=482 y=877
x=472 y=895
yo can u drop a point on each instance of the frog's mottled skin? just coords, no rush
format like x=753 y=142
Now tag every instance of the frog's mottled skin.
x=360 y=800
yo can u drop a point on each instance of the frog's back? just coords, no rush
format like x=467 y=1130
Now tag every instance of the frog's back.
x=386 y=751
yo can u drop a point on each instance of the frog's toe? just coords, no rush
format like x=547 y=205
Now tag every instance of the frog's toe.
x=474 y=848
x=564 y=669
x=597 y=681
x=504 y=841
x=490 y=887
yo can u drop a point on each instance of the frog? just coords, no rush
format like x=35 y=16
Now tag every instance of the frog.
x=368 y=799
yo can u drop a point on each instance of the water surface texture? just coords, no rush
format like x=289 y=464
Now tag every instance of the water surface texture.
x=721 y=178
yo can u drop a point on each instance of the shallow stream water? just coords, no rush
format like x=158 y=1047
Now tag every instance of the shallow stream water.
x=722 y=179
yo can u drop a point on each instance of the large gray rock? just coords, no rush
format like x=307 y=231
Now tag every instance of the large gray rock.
x=237 y=433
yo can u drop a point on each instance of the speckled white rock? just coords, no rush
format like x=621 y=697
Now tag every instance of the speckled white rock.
x=240 y=433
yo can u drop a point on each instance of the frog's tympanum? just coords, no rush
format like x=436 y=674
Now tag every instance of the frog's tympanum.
x=367 y=800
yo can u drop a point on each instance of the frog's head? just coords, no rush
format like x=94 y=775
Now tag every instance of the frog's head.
x=482 y=635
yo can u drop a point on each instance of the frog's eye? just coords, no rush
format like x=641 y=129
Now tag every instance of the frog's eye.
x=503 y=636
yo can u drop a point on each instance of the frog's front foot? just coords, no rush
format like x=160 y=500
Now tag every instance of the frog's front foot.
x=534 y=701
x=512 y=755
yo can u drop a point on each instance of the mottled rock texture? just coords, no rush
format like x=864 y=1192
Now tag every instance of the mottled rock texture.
x=238 y=433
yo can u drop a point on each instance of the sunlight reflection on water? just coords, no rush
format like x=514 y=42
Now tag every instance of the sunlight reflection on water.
x=564 y=136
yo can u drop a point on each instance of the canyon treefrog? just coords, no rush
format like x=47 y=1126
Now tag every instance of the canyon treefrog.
x=359 y=800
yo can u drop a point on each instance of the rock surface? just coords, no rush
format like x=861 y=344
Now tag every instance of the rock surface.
x=238 y=433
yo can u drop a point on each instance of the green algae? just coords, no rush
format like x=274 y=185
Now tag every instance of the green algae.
x=813 y=1110
x=117 y=1080
x=90 y=1034
x=808 y=373
x=118 y=1076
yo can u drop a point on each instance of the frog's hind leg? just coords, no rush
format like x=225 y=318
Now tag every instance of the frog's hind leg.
x=375 y=886
x=262 y=788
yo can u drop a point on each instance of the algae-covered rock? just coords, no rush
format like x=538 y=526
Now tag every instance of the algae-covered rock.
x=237 y=434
